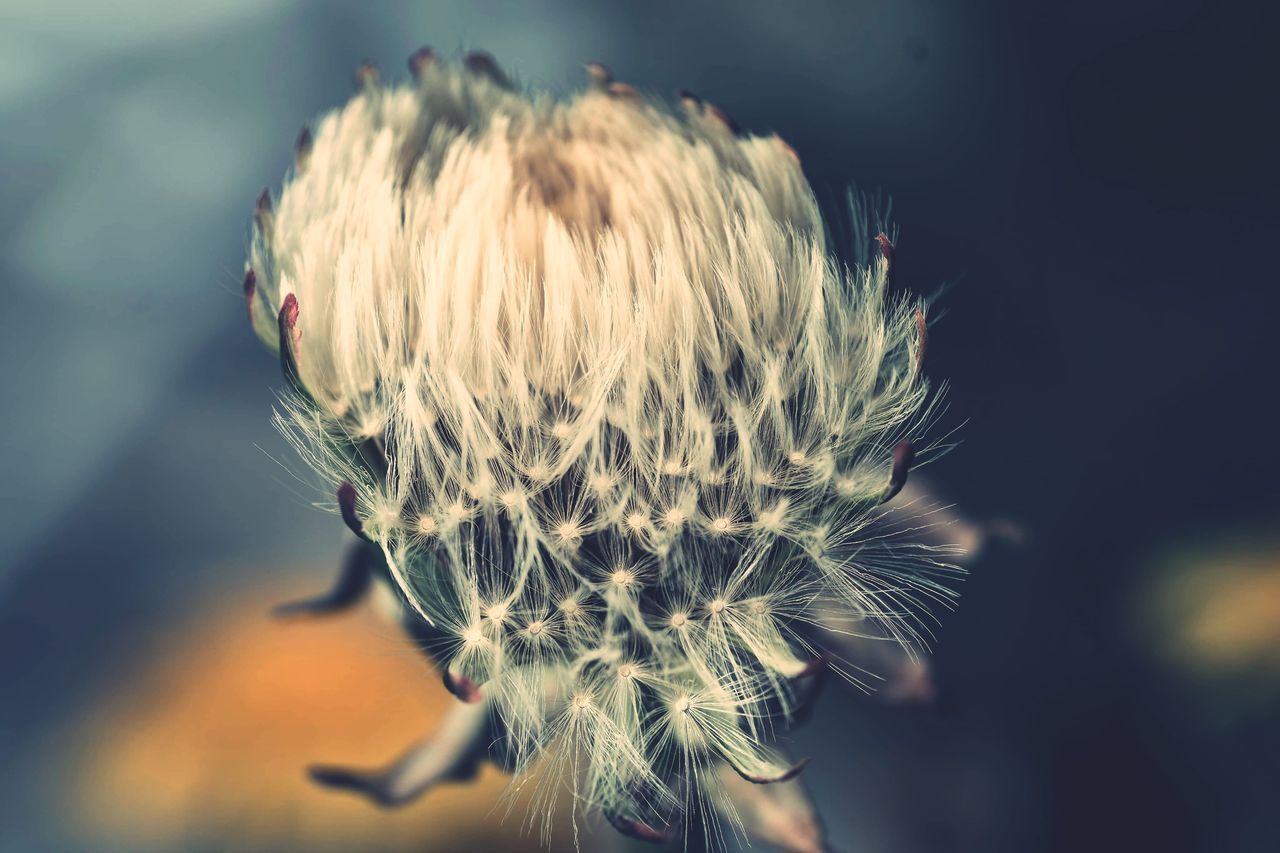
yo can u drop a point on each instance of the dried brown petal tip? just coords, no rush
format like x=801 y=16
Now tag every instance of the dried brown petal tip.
x=462 y=687
x=250 y=290
x=366 y=76
x=786 y=147
x=302 y=148
x=689 y=99
x=639 y=830
x=624 y=91
x=484 y=65
x=347 y=506
x=903 y=455
x=599 y=74
x=922 y=337
x=290 y=335
x=723 y=117
x=262 y=212
x=289 y=312
x=785 y=776
x=886 y=250
x=420 y=60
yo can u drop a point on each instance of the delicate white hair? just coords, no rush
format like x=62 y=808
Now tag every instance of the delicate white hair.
x=590 y=376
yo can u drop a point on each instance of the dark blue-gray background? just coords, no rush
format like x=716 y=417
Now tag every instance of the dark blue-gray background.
x=1100 y=177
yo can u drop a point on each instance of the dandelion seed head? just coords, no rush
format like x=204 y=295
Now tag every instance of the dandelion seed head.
x=584 y=370
x=602 y=483
x=455 y=513
x=569 y=531
x=481 y=488
x=513 y=498
x=386 y=519
x=772 y=519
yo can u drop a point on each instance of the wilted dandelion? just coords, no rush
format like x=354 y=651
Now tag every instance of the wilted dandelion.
x=592 y=385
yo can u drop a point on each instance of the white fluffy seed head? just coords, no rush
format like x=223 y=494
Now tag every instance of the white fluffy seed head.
x=568 y=339
x=455 y=512
x=674 y=517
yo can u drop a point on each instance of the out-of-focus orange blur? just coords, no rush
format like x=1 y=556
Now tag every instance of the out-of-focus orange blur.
x=210 y=740
x=1215 y=611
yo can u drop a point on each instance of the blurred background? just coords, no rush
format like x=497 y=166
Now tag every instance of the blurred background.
x=1097 y=179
